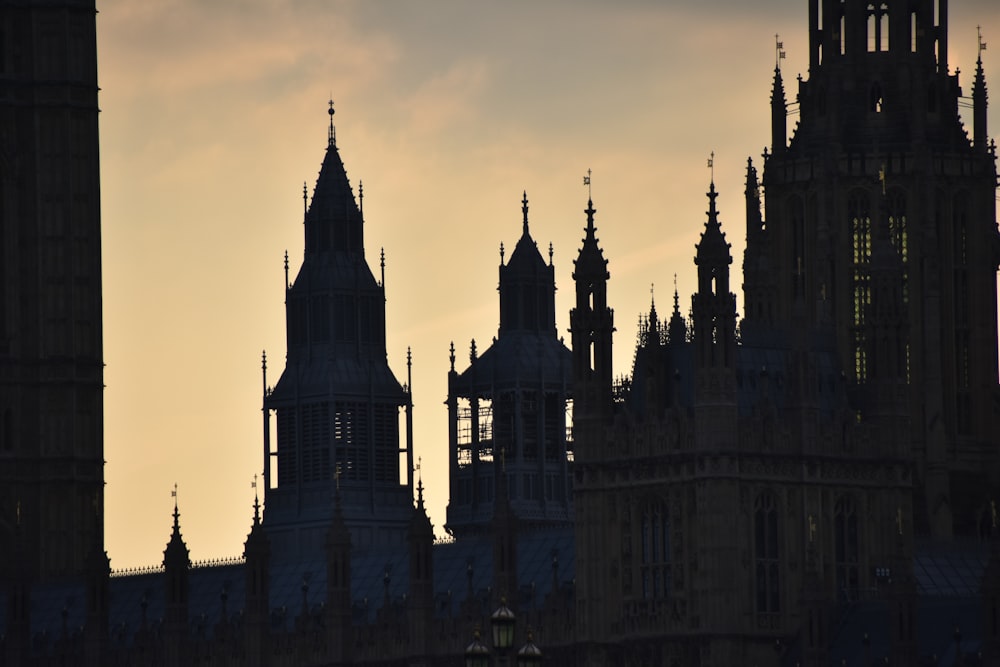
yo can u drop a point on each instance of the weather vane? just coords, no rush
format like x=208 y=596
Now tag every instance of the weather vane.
x=586 y=181
x=779 y=51
x=711 y=164
x=982 y=44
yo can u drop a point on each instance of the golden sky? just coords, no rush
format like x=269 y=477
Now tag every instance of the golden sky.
x=214 y=114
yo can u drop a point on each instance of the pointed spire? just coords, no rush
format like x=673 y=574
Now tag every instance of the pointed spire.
x=524 y=210
x=256 y=503
x=653 y=325
x=979 y=98
x=779 y=106
x=677 y=329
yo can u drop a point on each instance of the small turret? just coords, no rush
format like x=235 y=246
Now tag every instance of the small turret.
x=591 y=324
x=420 y=603
x=257 y=554
x=176 y=566
x=714 y=307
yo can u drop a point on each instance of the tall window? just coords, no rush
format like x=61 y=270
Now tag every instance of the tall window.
x=878 y=26
x=654 y=540
x=845 y=526
x=766 y=555
x=859 y=212
x=898 y=234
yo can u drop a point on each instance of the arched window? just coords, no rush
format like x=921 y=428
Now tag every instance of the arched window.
x=766 y=554
x=845 y=526
x=654 y=551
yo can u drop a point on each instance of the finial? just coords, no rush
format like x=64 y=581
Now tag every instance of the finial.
x=472 y=350
x=550 y=253
x=677 y=299
x=586 y=181
x=711 y=166
x=524 y=210
x=332 y=139
x=287 y=284
x=305 y=200
x=381 y=261
x=982 y=44
x=501 y=252
x=409 y=358
x=451 y=355
x=177 y=514
x=420 y=484
x=779 y=52
x=256 y=501
x=361 y=198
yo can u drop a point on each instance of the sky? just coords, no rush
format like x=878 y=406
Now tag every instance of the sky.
x=213 y=115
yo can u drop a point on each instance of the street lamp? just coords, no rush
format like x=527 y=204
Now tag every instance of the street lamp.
x=529 y=655
x=502 y=622
x=476 y=653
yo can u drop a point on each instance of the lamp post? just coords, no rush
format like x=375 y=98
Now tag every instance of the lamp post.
x=476 y=653
x=529 y=655
x=502 y=624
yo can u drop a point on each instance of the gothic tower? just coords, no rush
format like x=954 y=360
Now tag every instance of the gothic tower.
x=338 y=405
x=51 y=359
x=509 y=407
x=879 y=127
x=591 y=329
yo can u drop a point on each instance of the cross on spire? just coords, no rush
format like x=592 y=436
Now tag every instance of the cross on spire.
x=779 y=51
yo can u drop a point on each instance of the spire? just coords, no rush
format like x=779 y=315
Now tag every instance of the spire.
x=524 y=210
x=677 y=329
x=713 y=247
x=779 y=106
x=333 y=218
x=979 y=97
x=527 y=285
x=654 y=321
x=176 y=553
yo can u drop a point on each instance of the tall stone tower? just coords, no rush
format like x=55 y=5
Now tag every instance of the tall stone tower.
x=508 y=409
x=879 y=141
x=338 y=405
x=51 y=359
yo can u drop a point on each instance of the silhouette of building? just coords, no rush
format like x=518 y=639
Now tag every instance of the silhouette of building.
x=510 y=406
x=337 y=403
x=796 y=487
x=51 y=359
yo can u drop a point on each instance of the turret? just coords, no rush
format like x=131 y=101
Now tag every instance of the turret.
x=257 y=555
x=591 y=325
x=713 y=305
x=176 y=564
x=420 y=602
